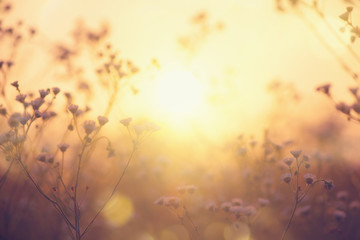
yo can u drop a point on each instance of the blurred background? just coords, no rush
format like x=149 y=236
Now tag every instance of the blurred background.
x=222 y=80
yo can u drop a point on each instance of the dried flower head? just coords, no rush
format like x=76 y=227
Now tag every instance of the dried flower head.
x=324 y=89
x=191 y=189
x=296 y=153
x=43 y=93
x=309 y=178
x=89 y=126
x=343 y=107
x=15 y=84
x=236 y=202
x=225 y=206
x=342 y=195
x=102 y=120
x=3 y=111
x=36 y=103
x=63 y=146
x=354 y=205
x=73 y=108
x=55 y=90
x=172 y=202
x=211 y=206
x=263 y=202
x=160 y=201
x=288 y=161
x=41 y=157
x=126 y=121
x=286 y=177
x=13 y=120
x=328 y=184
x=339 y=215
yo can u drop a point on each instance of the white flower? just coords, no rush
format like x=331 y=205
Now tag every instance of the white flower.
x=309 y=178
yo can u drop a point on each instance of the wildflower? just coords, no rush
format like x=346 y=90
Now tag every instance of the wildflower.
x=102 y=120
x=345 y=16
x=305 y=210
x=286 y=177
x=324 y=89
x=237 y=210
x=305 y=158
x=354 y=205
x=354 y=90
x=225 y=206
x=23 y=120
x=50 y=158
x=14 y=120
x=89 y=126
x=152 y=127
x=343 y=107
x=349 y=9
x=309 y=178
x=21 y=98
x=242 y=151
x=3 y=111
x=342 y=195
x=172 y=202
x=41 y=157
x=191 y=189
x=73 y=108
x=339 y=215
x=263 y=202
x=63 y=147
x=126 y=121
x=36 y=103
x=328 y=184
x=159 y=201
x=38 y=114
x=55 y=90
x=211 y=206
x=236 y=202
x=15 y=84
x=44 y=93
x=288 y=161
x=356 y=107
x=250 y=210
x=181 y=189
x=139 y=129
x=307 y=165
x=296 y=153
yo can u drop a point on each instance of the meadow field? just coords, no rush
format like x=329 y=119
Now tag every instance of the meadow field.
x=180 y=120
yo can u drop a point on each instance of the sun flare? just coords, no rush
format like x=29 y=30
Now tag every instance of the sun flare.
x=179 y=93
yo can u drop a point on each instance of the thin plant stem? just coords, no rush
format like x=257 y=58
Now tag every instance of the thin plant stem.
x=113 y=191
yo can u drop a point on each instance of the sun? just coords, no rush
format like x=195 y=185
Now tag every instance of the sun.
x=179 y=93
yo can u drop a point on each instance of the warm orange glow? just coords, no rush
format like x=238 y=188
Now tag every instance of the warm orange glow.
x=179 y=94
